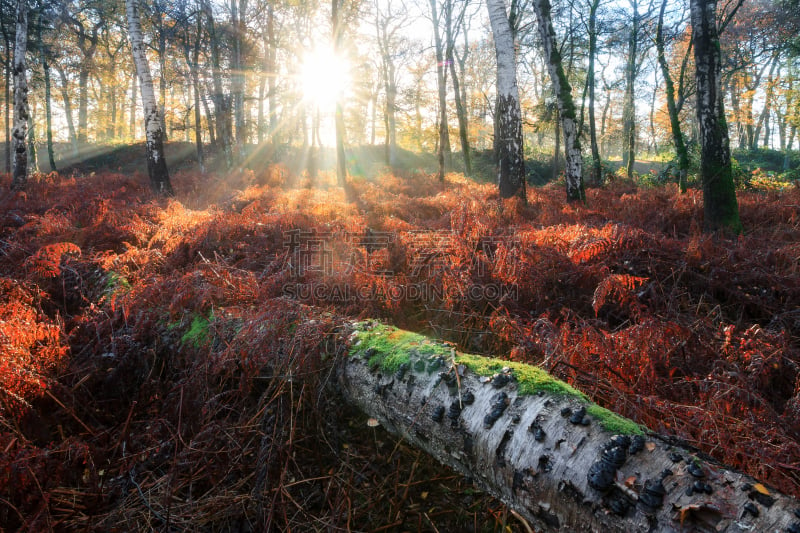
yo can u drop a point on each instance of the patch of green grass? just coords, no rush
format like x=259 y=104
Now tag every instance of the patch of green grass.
x=115 y=282
x=388 y=348
x=198 y=333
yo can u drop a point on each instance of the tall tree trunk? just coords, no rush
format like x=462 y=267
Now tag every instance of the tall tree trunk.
x=33 y=159
x=132 y=125
x=198 y=125
x=508 y=116
x=68 y=114
x=20 y=174
x=597 y=170
x=460 y=104
x=209 y=120
x=566 y=106
x=341 y=163
x=47 y=98
x=162 y=76
x=156 y=162
x=238 y=13
x=390 y=86
x=681 y=153
x=556 y=145
x=720 y=209
x=7 y=92
x=87 y=42
x=563 y=464
x=272 y=75
x=222 y=103
x=763 y=118
x=629 y=105
x=443 y=153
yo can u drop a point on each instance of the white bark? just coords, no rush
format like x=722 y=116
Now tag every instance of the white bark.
x=566 y=107
x=20 y=132
x=156 y=163
x=511 y=163
x=720 y=209
x=563 y=471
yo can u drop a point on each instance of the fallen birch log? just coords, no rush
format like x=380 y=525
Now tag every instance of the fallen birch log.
x=541 y=447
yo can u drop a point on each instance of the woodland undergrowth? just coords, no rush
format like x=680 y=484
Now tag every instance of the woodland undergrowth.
x=165 y=361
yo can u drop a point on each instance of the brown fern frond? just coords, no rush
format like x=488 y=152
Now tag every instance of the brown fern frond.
x=616 y=288
x=46 y=262
x=591 y=250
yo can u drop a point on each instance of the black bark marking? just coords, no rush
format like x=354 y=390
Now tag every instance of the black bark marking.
x=500 y=452
x=499 y=404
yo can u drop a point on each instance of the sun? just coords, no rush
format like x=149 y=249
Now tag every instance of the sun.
x=324 y=77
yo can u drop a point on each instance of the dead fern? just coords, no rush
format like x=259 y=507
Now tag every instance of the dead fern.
x=47 y=260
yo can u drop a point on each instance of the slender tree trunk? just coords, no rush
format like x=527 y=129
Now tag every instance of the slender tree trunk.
x=373 y=119
x=681 y=153
x=603 y=122
x=162 y=73
x=390 y=87
x=508 y=116
x=222 y=104
x=209 y=120
x=629 y=107
x=198 y=126
x=88 y=51
x=720 y=209
x=21 y=115
x=132 y=125
x=272 y=75
x=443 y=153
x=68 y=114
x=566 y=106
x=460 y=104
x=341 y=163
x=156 y=162
x=7 y=92
x=556 y=145
x=33 y=158
x=597 y=170
x=238 y=13
x=83 y=105
x=47 y=109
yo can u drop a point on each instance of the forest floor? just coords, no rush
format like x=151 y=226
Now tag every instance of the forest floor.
x=166 y=361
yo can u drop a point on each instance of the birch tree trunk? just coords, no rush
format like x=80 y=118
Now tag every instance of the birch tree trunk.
x=538 y=445
x=720 y=209
x=19 y=135
x=7 y=97
x=154 y=140
x=566 y=106
x=508 y=116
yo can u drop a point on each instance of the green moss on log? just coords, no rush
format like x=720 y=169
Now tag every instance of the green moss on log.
x=388 y=348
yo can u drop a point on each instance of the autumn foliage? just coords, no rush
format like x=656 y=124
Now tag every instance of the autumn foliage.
x=165 y=361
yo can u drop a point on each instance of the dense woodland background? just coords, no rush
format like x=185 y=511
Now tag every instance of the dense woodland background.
x=234 y=75
x=162 y=367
